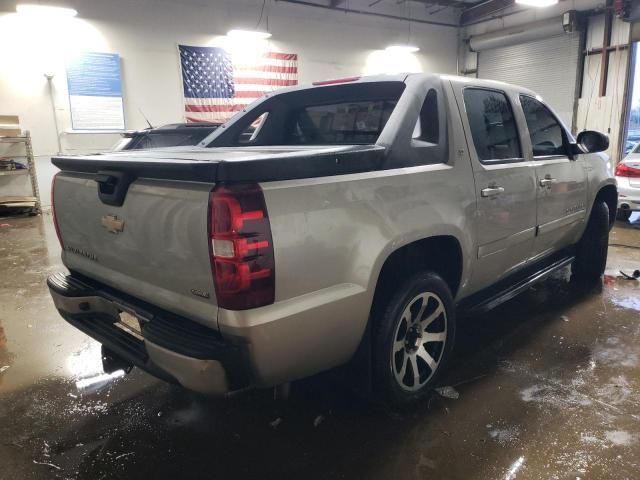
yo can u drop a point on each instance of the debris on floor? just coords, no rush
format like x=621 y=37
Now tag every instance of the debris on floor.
x=634 y=276
x=318 y=420
x=448 y=392
x=276 y=422
x=52 y=465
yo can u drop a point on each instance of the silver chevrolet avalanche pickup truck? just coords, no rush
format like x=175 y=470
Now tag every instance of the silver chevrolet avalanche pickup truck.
x=353 y=224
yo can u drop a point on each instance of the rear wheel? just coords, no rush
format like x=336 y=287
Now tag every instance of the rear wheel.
x=591 y=254
x=414 y=335
x=623 y=214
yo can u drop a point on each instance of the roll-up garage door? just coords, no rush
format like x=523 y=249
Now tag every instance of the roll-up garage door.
x=547 y=66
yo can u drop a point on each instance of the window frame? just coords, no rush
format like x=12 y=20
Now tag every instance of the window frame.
x=565 y=136
x=496 y=161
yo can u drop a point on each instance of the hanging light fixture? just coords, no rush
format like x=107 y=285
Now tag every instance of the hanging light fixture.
x=408 y=47
x=248 y=34
x=45 y=10
x=402 y=49
x=537 y=3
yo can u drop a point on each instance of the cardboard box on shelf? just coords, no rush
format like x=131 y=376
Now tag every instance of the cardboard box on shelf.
x=10 y=126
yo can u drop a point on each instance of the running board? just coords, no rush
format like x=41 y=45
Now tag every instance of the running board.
x=487 y=300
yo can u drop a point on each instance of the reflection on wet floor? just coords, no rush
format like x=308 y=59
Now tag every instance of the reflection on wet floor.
x=546 y=386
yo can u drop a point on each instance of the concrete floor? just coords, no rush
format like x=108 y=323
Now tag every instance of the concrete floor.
x=546 y=386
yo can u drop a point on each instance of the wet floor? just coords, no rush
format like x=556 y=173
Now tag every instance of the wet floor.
x=545 y=387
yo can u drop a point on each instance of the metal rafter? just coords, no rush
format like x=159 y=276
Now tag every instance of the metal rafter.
x=483 y=9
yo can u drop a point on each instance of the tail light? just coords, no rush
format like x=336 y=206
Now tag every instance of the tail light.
x=241 y=247
x=53 y=210
x=624 y=170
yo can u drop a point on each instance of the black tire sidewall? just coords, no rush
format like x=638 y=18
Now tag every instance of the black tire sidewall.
x=591 y=255
x=385 y=323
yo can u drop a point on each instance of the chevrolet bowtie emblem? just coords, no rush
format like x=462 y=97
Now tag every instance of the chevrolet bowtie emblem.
x=112 y=224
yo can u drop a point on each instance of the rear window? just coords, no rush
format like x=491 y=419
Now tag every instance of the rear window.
x=340 y=123
x=161 y=139
x=345 y=114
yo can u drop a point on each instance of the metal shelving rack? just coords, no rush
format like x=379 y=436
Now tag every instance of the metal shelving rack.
x=32 y=202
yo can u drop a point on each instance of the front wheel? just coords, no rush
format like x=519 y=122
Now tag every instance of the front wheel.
x=593 y=247
x=414 y=336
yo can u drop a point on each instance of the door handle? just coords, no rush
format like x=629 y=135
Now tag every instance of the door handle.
x=547 y=181
x=491 y=191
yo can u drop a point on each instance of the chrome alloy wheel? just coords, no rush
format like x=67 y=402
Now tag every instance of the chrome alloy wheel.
x=419 y=341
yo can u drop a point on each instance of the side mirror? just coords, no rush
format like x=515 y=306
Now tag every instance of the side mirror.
x=590 y=141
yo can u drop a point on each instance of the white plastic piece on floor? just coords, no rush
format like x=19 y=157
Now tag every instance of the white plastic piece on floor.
x=448 y=392
x=276 y=422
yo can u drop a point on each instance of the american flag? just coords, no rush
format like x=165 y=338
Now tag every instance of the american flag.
x=216 y=86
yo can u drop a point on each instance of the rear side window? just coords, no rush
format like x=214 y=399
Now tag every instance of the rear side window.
x=340 y=123
x=427 y=128
x=547 y=135
x=493 y=128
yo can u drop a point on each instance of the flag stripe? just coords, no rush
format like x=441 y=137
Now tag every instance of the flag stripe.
x=214 y=108
x=282 y=56
x=267 y=81
x=266 y=68
x=216 y=86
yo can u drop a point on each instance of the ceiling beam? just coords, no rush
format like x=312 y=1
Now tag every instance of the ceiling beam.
x=482 y=10
x=307 y=3
x=444 y=3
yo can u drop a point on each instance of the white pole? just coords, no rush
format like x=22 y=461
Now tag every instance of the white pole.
x=49 y=78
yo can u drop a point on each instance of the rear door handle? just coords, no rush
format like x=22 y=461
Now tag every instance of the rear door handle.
x=547 y=181
x=492 y=191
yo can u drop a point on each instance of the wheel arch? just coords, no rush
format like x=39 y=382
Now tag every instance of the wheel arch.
x=441 y=254
x=609 y=194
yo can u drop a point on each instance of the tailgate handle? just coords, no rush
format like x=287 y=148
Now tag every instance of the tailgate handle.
x=113 y=186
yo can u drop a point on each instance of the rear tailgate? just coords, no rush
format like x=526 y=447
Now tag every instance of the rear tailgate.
x=154 y=246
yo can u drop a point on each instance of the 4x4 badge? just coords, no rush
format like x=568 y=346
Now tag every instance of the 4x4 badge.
x=112 y=224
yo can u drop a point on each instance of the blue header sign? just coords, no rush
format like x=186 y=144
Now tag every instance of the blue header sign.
x=94 y=81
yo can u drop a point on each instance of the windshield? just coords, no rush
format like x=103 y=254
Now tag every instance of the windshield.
x=336 y=115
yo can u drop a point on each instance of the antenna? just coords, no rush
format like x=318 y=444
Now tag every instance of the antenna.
x=145 y=117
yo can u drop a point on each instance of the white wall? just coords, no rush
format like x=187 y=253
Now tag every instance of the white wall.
x=145 y=34
x=594 y=112
x=605 y=113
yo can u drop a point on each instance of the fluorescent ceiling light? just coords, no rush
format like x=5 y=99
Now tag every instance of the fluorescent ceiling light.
x=537 y=3
x=402 y=49
x=45 y=10
x=245 y=34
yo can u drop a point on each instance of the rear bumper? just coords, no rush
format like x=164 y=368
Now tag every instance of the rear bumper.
x=170 y=347
x=628 y=196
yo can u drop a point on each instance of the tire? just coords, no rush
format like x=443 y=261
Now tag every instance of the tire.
x=623 y=215
x=400 y=342
x=592 y=249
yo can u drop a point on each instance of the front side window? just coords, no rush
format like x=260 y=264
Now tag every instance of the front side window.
x=547 y=135
x=493 y=128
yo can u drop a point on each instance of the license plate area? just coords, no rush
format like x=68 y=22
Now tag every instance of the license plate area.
x=130 y=324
